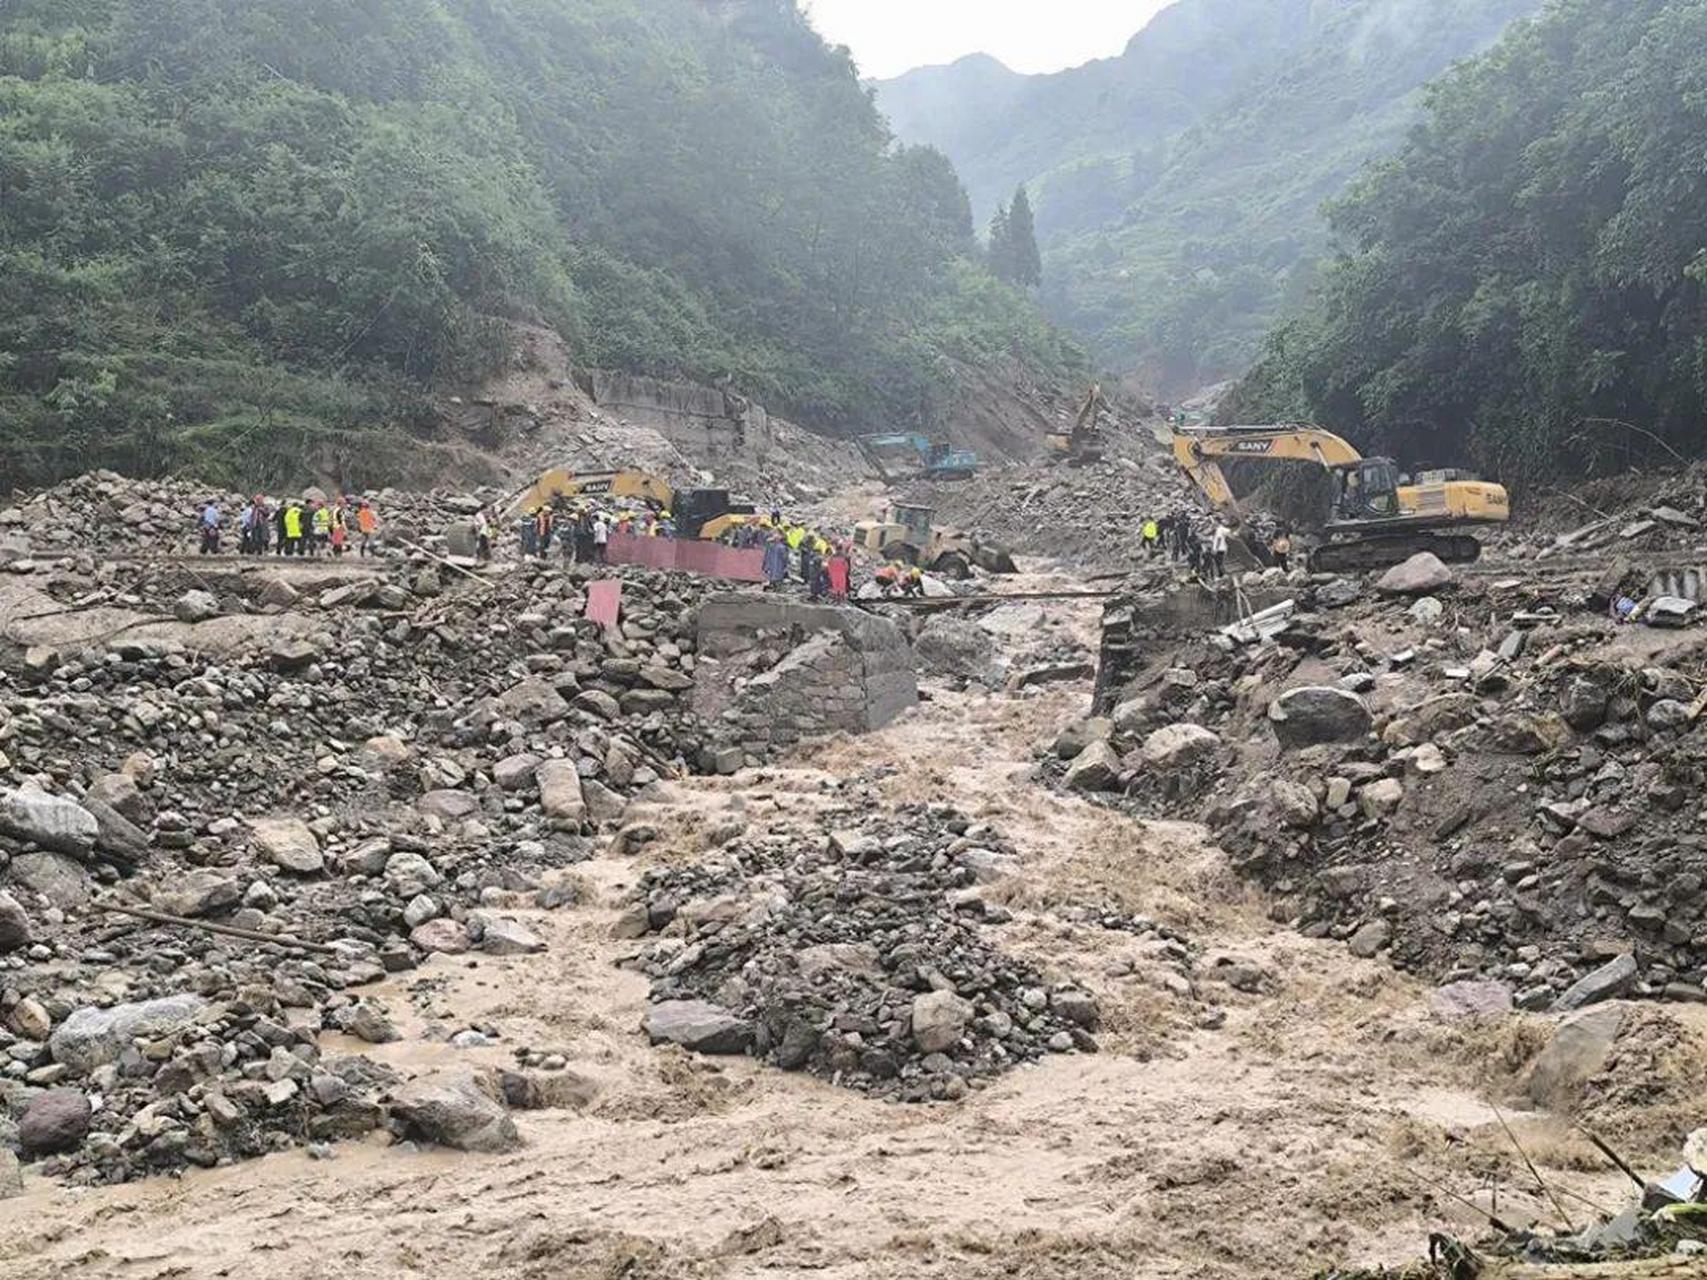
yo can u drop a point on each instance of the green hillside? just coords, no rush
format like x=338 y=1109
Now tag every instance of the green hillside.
x=1178 y=186
x=235 y=230
x=1523 y=285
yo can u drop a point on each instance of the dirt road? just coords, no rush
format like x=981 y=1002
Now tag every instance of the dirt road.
x=1284 y=1107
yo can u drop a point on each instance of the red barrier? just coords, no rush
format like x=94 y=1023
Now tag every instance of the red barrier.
x=710 y=559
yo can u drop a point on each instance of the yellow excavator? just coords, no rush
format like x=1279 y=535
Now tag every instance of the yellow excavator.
x=699 y=513
x=1083 y=444
x=1376 y=521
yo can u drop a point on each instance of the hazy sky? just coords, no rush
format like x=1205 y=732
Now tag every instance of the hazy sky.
x=891 y=36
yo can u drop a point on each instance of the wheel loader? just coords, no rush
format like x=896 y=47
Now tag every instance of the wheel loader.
x=908 y=533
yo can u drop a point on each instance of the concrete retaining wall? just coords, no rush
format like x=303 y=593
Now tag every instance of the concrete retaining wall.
x=841 y=670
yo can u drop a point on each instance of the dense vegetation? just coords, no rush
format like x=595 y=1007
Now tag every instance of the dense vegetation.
x=1523 y=285
x=236 y=231
x=1177 y=186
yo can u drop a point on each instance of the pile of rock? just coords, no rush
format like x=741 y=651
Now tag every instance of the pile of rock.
x=858 y=958
x=1086 y=516
x=104 y=513
x=359 y=787
x=1512 y=801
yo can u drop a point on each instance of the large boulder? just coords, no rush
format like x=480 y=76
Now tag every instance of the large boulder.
x=1578 y=1050
x=118 y=837
x=197 y=893
x=699 y=1026
x=443 y=936
x=560 y=792
x=501 y=937
x=515 y=773
x=449 y=804
x=289 y=844
x=53 y=822
x=459 y=1108
x=1430 y=719
x=1316 y=714
x=57 y=1120
x=533 y=701
x=1096 y=768
x=91 y=1037
x=940 y=1019
x=1421 y=575
x=1072 y=740
x=119 y=792
x=195 y=606
x=1615 y=978
x=1178 y=745
x=1379 y=799
x=1523 y=734
x=15 y=931
x=64 y=883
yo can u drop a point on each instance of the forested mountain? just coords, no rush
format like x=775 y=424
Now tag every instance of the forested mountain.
x=1178 y=185
x=232 y=228
x=1524 y=283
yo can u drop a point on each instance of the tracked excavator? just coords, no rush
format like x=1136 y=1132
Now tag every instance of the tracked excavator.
x=1377 y=521
x=699 y=513
x=1082 y=445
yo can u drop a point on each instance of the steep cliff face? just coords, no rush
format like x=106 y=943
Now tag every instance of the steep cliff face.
x=1178 y=186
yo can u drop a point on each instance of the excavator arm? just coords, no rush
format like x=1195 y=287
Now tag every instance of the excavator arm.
x=560 y=483
x=1199 y=452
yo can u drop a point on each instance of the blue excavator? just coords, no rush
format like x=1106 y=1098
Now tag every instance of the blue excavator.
x=909 y=456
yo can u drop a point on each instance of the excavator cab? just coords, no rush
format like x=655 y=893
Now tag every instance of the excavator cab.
x=1366 y=490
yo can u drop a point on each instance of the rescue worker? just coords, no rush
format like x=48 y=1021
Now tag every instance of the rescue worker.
x=245 y=538
x=839 y=569
x=913 y=582
x=812 y=565
x=210 y=520
x=776 y=560
x=1152 y=535
x=321 y=528
x=291 y=543
x=529 y=530
x=1218 y=547
x=367 y=525
x=601 y=537
x=340 y=530
x=280 y=543
x=544 y=523
x=260 y=523
x=482 y=536
x=1281 y=549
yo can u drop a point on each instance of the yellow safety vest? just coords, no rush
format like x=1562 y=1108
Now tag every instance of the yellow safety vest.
x=293 y=522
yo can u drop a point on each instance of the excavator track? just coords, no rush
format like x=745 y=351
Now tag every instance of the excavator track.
x=1361 y=555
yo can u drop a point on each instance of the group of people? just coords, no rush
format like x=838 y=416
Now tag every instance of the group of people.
x=580 y=532
x=293 y=526
x=1203 y=542
x=825 y=565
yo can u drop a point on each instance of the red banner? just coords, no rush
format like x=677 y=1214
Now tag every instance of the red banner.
x=709 y=559
x=604 y=601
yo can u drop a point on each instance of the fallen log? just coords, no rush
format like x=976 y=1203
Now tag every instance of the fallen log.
x=225 y=930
